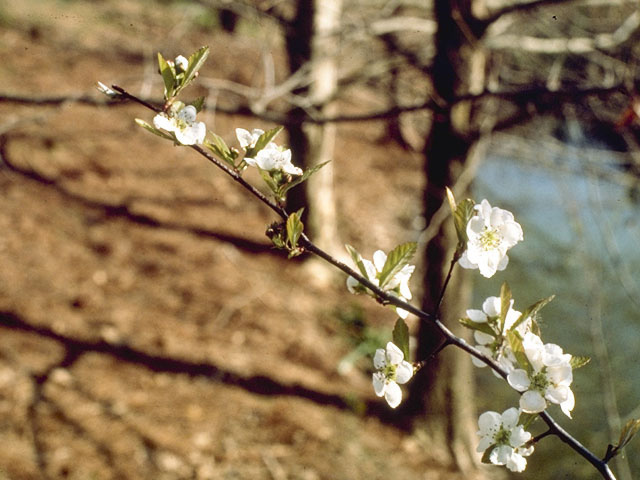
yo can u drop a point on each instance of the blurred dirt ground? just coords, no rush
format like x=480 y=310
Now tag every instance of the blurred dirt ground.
x=147 y=329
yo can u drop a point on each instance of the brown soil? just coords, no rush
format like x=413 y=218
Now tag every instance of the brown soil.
x=147 y=329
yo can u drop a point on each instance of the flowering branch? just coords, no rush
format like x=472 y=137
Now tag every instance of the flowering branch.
x=508 y=341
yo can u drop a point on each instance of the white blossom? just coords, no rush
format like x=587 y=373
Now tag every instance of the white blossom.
x=183 y=124
x=507 y=439
x=109 y=92
x=181 y=63
x=248 y=139
x=272 y=158
x=398 y=285
x=392 y=369
x=496 y=346
x=491 y=232
x=549 y=379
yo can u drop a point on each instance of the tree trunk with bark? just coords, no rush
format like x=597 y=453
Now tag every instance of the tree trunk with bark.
x=312 y=42
x=444 y=390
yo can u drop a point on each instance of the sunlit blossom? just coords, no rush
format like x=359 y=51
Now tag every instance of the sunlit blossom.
x=272 y=158
x=496 y=346
x=248 y=139
x=549 y=379
x=491 y=232
x=506 y=438
x=183 y=125
x=398 y=284
x=392 y=369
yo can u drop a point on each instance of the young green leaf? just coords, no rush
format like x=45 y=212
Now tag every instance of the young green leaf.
x=532 y=311
x=198 y=103
x=396 y=260
x=196 y=60
x=505 y=304
x=515 y=342
x=220 y=148
x=486 y=456
x=629 y=430
x=451 y=199
x=168 y=77
x=154 y=130
x=578 y=362
x=294 y=230
x=305 y=175
x=480 y=327
x=463 y=213
x=401 y=337
x=263 y=141
x=357 y=259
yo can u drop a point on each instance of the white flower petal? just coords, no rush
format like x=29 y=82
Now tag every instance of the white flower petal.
x=568 y=404
x=519 y=380
x=519 y=436
x=163 y=122
x=532 y=402
x=516 y=463
x=379 y=259
x=380 y=359
x=403 y=314
x=477 y=316
x=393 y=394
x=394 y=354
x=492 y=306
x=379 y=383
x=501 y=455
x=404 y=372
x=510 y=418
x=352 y=283
x=483 y=338
x=489 y=423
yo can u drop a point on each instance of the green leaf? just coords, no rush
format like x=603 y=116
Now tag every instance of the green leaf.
x=461 y=216
x=505 y=304
x=396 y=260
x=357 y=259
x=515 y=343
x=401 y=337
x=168 y=77
x=198 y=103
x=578 y=362
x=220 y=148
x=532 y=311
x=628 y=432
x=154 y=130
x=486 y=456
x=273 y=186
x=294 y=230
x=263 y=141
x=196 y=60
x=481 y=327
x=526 y=419
x=305 y=175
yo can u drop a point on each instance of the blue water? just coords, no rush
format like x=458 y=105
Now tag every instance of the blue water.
x=582 y=243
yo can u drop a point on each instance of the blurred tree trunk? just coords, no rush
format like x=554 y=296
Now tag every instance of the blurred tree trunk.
x=443 y=390
x=312 y=43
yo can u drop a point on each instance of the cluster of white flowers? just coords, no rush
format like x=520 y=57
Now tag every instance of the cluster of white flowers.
x=271 y=158
x=392 y=369
x=548 y=379
x=491 y=232
x=398 y=284
x=495 y=345
x=182 y=124
x=507 y=439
